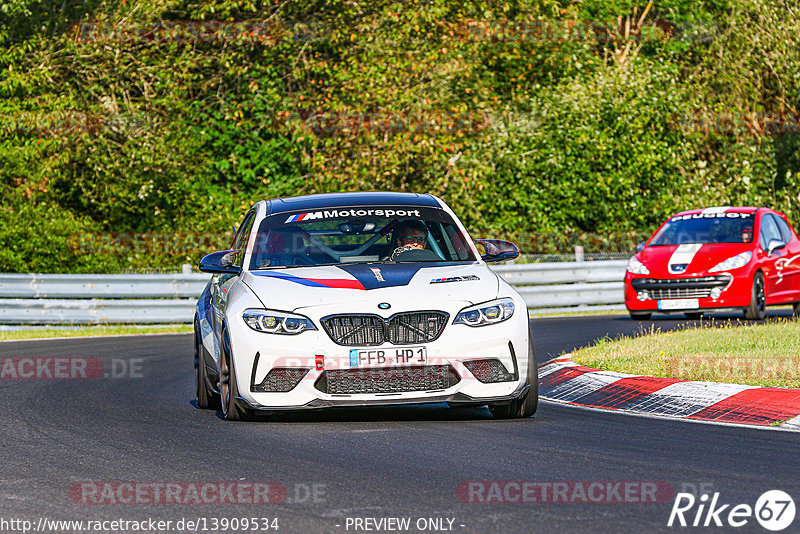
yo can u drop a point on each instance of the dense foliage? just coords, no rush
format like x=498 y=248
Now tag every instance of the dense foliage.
x=163 y=120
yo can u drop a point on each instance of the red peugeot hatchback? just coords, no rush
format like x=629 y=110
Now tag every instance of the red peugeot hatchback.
x=716 y=259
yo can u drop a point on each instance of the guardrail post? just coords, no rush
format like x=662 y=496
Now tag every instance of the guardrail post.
x=578 y=253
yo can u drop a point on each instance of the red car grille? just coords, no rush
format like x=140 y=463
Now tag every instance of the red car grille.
x=680 y=288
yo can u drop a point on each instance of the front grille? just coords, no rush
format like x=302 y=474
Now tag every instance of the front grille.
x=680 y=288
x=400 y=329
x=677 y=293
x=419 y=327
x=387 y=380
x=356 y=330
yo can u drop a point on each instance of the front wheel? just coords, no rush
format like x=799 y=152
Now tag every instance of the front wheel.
x=526 y=405
x=227 y=384
x=758 y=299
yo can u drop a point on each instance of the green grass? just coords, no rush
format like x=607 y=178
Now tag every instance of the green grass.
x=758 y=355
x=82 y=331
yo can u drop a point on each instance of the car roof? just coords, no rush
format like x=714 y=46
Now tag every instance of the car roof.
x=343 y=200
x=720 y=209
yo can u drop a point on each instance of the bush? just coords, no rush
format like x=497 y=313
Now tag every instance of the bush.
x=521 y=132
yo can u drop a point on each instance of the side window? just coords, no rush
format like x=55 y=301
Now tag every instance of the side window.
x=769 y=231
x=786 y=233
x=242 y=237
x=457 y=240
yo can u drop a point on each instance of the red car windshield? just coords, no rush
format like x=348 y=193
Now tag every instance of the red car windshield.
x=706 y=228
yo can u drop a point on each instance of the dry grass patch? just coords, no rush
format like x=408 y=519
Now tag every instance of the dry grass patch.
x=83 y=331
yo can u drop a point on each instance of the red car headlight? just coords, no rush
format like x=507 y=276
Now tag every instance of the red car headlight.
x=637 y=267
x=734 y=262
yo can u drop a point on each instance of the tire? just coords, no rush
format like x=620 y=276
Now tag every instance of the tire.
x=797 y=309
x=758 y=299
x=206 y=399
x=526 y=405
x=640 y=316
x=227 y=384
x=694 y=315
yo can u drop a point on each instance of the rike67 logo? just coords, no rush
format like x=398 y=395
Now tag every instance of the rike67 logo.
x=774 y=510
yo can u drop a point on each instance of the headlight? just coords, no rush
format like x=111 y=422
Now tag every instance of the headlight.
x=636 y=267
x=740 y=260
x=493 y=312
x=275 y=322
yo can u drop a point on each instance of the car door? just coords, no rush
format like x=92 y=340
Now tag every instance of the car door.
x=789 y=263
x=221 y=283
x=776 y=285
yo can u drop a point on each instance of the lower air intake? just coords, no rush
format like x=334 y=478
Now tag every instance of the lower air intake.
x=489 y=371
x=387 y=380
x=281 y=380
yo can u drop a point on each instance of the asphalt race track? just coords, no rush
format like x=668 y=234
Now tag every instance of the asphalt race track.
x=140 y=425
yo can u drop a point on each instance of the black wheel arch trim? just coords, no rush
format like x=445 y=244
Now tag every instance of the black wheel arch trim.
x=211 y=368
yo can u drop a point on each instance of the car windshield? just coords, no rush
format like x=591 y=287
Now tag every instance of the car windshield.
x=706 y=228
x=358 y=235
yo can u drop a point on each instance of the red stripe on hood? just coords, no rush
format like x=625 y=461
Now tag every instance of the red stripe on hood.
x=339 y=283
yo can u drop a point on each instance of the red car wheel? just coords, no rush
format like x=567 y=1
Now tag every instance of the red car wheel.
x=758 y=299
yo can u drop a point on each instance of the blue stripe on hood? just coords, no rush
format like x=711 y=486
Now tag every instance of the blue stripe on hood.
x=290 y=278
x=394 y=274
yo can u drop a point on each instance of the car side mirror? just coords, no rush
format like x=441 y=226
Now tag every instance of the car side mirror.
x=774 y=244
x=496 y=250
x=220 y=263
x=640 y=247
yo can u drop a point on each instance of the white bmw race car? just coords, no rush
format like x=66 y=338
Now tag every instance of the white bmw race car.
x=360 y=299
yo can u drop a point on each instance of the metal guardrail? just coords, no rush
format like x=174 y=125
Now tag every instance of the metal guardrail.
x=78 y=286
x=96 y=311
x=170 y=298
x=565 y=287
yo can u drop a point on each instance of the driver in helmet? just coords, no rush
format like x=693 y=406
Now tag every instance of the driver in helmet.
x=409 y=239
x=747 y=234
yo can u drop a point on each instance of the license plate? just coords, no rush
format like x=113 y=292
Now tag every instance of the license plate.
x=678 y=304
x=388 y=357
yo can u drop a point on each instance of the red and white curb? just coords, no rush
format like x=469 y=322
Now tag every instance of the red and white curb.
x=565 y=381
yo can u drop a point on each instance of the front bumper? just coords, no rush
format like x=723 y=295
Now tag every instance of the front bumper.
x=643 y=292
x=323 y=404
x=255 y=354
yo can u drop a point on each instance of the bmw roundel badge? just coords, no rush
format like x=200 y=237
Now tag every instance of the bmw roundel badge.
x=384 y=305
